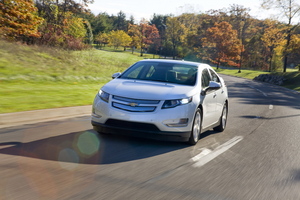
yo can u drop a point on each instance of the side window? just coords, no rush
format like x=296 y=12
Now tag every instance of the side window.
x=205 y=78
x=150 y=72
x=134 y=73
x=214 y=76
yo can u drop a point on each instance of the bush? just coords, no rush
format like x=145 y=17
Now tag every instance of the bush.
x=54 y=36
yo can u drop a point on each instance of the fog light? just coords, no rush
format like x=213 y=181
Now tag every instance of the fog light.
x=94 y=113
x=96 y=116
x=177 y=123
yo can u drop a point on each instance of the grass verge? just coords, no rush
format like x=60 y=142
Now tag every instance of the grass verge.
x=22 y=96
x=292 y=76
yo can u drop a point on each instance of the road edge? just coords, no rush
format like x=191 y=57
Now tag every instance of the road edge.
x=36 y=116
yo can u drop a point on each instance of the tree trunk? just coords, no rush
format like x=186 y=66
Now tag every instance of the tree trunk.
x=174 y=47
x=270 y=66
x=285 y=63
x=142 y=52
x=288 y=40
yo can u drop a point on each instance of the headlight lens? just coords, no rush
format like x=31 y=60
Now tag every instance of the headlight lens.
x=103 y=95
x=176 y=102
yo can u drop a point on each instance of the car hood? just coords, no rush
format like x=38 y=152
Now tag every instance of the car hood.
x=148 y=89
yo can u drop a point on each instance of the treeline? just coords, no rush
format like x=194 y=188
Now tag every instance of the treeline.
x=227 y=37
x=46 y=22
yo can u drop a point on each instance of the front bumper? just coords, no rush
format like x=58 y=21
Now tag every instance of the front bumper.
x=174 y=124
x=142 y=130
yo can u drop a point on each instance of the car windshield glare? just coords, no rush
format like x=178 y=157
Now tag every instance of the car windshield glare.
x=184 y=74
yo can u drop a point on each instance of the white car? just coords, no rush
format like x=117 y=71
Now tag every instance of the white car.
x=162 y=99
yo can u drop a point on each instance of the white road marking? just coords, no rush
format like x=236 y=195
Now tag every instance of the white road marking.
x=257 y=90
x=203 y=153
x=207 y=155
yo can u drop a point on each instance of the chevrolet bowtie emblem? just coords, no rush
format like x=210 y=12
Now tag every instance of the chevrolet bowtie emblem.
x=133 y=104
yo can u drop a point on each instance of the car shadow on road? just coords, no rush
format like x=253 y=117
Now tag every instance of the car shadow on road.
x=208 y=133
x=88 y=147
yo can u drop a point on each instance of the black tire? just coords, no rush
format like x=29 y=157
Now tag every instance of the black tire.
x=196 y=129
x=223 y=119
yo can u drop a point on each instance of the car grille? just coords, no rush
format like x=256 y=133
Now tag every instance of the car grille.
x=131 y=125
x=134 y=105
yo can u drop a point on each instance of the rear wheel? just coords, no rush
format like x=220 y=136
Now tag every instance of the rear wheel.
x=223 y=119
x=196 y=129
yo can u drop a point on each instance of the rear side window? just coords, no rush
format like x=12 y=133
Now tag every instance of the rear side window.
x=205 y=79
x=214 y=76
x=134 y=74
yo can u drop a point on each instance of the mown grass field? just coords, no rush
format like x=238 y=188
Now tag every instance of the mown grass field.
x=33 y=77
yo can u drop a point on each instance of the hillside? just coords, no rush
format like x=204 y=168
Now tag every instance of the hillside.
x=34 y=77
x=34 y=63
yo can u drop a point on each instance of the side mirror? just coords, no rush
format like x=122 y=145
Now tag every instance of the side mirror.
x=115 y=75
x=212 y=86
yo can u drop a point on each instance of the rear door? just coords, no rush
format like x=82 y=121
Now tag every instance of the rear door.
x=220 y=95
x=209 y=100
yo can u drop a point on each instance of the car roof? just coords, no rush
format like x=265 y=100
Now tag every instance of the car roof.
x=175 y=62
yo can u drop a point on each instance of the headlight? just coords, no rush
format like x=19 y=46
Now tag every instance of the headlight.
x=176 y=102
x=103 y=95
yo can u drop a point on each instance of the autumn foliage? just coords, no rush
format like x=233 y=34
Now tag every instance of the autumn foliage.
x=225 y=37
x=223 y=40
x=18 y=18
x=143 y=35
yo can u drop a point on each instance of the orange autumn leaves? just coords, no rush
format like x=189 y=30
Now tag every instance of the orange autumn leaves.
x=19 y=18
x=223 y=40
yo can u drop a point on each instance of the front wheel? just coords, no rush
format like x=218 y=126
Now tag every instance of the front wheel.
x=223 y=119
x=196 y=129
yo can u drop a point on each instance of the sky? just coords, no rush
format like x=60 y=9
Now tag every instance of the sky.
x=146 y=8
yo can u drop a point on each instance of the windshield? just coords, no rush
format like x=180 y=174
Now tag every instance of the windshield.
x=163 y=72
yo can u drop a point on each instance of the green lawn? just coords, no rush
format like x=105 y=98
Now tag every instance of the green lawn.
x=292 y=76
x=250 y=74
x=33 y=77
x=32 y=96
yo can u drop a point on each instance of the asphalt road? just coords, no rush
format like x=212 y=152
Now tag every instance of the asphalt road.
x=256 y=157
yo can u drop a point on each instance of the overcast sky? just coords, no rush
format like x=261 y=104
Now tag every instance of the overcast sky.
x=146 y=8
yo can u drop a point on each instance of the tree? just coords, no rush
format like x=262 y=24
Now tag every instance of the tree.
x=160 y=23
x=74 y=26
x=175 y=32
x=89 y=38
x=46 y=7
x=144 y=34
x=131 y=20
x=289 y=9
x=135 y=34
x=272 y=38
x=102 y=39
x=119 y=38
x=239 y=18
x=294 y=50
x=191 y=24
x=223 y=40
x=120 y=23
x=19 y=19
x=102 y=23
